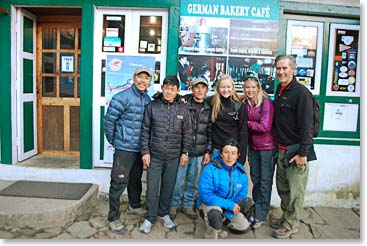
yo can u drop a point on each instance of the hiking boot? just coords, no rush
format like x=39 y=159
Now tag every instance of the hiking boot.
x=173 y=212
x=282 y=232
x=117 y=227
x=276 y=223
x=167 y=222
x=257 y=223
x=215 y=234
x=137 y=211
x=190 y=213
x=146 y=227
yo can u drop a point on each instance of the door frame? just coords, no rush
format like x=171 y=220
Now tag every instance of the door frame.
x=17 y=83
x=99 y=106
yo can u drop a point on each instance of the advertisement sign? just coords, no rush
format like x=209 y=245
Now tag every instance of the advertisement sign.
x=119 y=76
x=344 y=60
x=304 y=41
x=232 y=37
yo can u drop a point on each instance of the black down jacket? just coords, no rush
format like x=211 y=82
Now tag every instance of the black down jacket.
x=166 y=129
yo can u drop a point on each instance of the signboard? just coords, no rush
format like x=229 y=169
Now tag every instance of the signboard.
x=232 y=37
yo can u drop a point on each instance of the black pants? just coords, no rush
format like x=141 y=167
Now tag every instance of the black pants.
x=127 y=170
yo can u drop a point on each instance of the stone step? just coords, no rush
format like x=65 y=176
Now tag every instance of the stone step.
x=40 y=213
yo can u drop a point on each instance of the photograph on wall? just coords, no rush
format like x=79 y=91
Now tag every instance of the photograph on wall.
x=191 y=67
x=203 y=35
x=344 y=75
x=304 y=42
x=238 y=37
x=118 y=77
x=263 y=68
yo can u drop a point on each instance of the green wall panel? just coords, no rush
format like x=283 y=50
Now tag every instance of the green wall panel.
x=27 y=76
x=27 y=35
x=28 y=126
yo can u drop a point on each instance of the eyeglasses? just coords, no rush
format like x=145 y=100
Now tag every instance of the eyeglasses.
x=253 y=77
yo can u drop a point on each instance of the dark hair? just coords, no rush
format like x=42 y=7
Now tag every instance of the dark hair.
x=171 y=80
x=231 y=142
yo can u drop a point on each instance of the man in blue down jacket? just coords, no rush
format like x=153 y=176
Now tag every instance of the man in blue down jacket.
x=122 y=127
x=222 y=189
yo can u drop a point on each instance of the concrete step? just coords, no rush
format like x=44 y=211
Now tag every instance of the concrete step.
x=40 y=213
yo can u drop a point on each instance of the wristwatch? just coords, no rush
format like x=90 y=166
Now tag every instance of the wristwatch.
x=186 y=153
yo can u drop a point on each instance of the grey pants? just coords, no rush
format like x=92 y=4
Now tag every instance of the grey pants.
x=161 y=180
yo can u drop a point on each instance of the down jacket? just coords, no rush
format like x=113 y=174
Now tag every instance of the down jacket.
x=122 y=122
x=166 y=130
x=201 y=128
x=221 y=185
x=260 y=125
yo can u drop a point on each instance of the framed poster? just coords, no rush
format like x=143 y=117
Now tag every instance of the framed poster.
x=341 y=117
x=304 y=41
x=344 y=61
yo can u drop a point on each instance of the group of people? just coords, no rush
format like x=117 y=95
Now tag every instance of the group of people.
x=194 y=149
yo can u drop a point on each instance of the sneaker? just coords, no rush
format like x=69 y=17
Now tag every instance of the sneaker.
x=137 y=211
x=276 y=223
x=282 y=232
x=117 y=227
x=173 y=212
x=146 y=227
x=190 y=213
x=257 y=223
x=167 y=222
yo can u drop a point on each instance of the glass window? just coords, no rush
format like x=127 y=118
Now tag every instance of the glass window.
x=49 y=38
x=67 y=38
x=48 y=63
x=150 y=37
x=113 y=33
x=66 y=86
x=48 y=87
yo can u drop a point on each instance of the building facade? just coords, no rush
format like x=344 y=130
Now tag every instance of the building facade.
x=57 y=58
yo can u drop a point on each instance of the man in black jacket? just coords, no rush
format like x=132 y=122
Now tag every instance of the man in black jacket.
x=293 y=121
x=199 y=110
x=165 y=142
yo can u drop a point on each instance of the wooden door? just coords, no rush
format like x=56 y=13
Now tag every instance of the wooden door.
x=58 y=56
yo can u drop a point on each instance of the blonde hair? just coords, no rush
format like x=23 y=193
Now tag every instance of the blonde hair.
x=261 y=95
x=216 y=102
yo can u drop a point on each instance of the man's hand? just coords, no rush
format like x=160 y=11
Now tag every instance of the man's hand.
x=300 y=160
x=184 y=159
x=236 y=209
x=206 y=159
x=146 y=159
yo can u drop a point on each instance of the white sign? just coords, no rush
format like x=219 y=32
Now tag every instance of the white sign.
x=341 y=117
x=67 y=64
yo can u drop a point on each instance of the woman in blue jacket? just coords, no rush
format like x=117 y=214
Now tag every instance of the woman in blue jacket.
x=222 y=190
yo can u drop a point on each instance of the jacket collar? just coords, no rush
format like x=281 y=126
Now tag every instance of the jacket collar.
x=136 y=91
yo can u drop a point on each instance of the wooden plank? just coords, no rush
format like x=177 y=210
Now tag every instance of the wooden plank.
x=66 y=128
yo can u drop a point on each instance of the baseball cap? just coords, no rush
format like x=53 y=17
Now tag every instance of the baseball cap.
x=200 y=80
x=143 y=69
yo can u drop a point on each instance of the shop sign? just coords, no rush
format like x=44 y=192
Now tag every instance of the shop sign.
x=233 y=37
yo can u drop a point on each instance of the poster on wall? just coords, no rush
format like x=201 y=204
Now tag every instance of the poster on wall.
x=344 y=61
x=304 y=42
x=232 y=37
x=341 y=117
x=119 y=76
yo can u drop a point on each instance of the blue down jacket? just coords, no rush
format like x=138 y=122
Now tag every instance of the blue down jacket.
x=221 y=185
x=123 y=120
